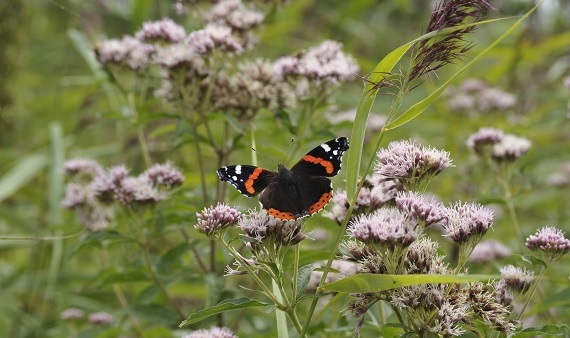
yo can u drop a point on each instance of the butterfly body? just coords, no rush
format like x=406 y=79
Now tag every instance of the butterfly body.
x=290 y=194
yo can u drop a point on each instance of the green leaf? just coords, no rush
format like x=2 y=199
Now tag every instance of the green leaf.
x=23 y=172
x=303 y=278
x=535 y=261
x=125 y=277
x=549 y=330
x=98 y=237
x=226 y=305
x=363 y=283
x=354 y=158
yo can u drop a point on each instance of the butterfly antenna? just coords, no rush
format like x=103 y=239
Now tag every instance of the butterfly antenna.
x=264 y=156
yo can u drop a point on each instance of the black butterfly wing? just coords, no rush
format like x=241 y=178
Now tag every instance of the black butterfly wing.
x=249 y=180
x=291 y=199
x=324 y=160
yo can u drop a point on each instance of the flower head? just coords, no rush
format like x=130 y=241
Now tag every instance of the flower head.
x=214 y=36
x=388 y=227
x=517 y=279
x=266 y=230
x=138 y=190
x=128 y=51
x=510 y=148
x=234 y=14
x=215 y=220
x=164 y=175
x=467 y=222
x=181 y=56
x=213 y=332
x=82 y=167
x=101 y=318
x=484 y=139
x=424 y=210
x=410 y=163
x=325 y=62
x=550 y=242
x=72 y=314
x=488 y=251
x=495 y=98
x=105 y=184
x=163 y=30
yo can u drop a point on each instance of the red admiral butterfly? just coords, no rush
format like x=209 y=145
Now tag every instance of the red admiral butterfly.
x=290 y=194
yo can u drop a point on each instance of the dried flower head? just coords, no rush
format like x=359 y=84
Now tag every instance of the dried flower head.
x=425 y=210
x=234 y=14
x=443 y=49
x=488 y=251
x=411 y=164
x=164 y=175
x=510 y=148
x=485 y=305
x=421 y=255
x=467 y=222
x=549 y=242
x=81 y=167
x=100 y=318
x=517 y=279
x=483 y=140
x=128 y=51
x=213 y=332
x=213 y=221
x=164 y=30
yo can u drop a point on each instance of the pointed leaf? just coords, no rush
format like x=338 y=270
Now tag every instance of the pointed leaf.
x=226 y=305
x=549 y=330
x=303 y=278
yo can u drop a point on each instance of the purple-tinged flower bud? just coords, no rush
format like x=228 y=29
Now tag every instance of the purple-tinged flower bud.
x=495 y=98
x=105 y=184
x=550 y=242
x=215 y=220
x=266 y=230
x=181 y=56
x=128 y=51
x=76 y=196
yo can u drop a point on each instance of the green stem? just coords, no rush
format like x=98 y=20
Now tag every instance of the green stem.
x=532 y=291
x=140 y=133
x=157 y=280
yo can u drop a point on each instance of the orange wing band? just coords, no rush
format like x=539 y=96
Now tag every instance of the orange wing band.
x=251 y=179
x=327 y=164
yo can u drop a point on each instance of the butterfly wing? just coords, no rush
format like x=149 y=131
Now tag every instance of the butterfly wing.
x=248 y=179
x=324 y=160
x=288 y=200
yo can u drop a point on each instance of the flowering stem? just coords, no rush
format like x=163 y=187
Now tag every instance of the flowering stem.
x=339 y=238
x=195 y=251
x=295 y=275
x=510 y=205
x=532 y=291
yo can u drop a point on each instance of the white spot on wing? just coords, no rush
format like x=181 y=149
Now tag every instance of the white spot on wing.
x=326 y=147
x=238 y=169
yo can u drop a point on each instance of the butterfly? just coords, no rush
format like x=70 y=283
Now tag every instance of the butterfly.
x=291 y=194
